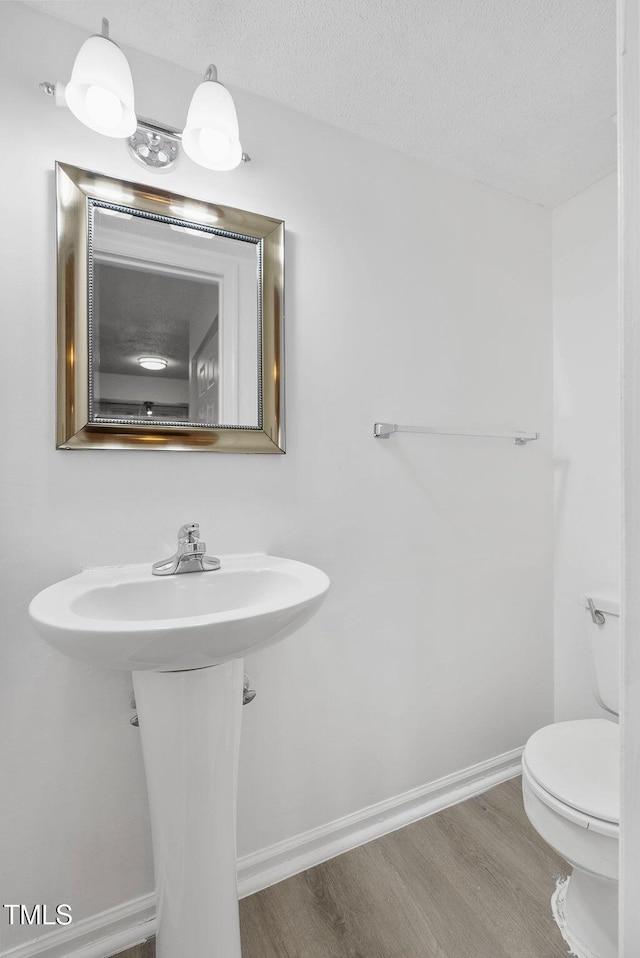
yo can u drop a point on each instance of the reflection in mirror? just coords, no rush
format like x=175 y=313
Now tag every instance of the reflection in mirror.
x=175 y=322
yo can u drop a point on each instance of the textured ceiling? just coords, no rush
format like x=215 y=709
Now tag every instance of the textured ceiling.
x=515 y=93
x=147 y=314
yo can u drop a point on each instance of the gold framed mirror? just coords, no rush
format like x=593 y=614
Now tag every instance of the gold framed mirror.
x=170 y=320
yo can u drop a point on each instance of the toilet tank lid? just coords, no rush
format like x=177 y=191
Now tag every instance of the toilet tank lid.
x=578 y=762
x=605 y=599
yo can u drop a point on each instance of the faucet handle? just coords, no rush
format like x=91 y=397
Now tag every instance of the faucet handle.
x=189 y=532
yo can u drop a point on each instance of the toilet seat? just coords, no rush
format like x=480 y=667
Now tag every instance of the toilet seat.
x=566 y=812
x=573 y=767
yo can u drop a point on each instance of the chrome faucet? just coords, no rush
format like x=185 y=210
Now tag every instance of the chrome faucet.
x=190 y=555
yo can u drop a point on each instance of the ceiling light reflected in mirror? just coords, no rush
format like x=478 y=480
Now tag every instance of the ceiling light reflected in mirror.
x=152 y=362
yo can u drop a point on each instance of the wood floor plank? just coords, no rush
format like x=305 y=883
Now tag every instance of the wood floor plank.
x=378 y=891
x=336 y=923
x=534 y=866
x=499 y=883
x=431 y=875
x=145 y=950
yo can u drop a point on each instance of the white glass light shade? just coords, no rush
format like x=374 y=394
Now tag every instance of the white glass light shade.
x=211 y=136
x=100 y=91
x=152 y=362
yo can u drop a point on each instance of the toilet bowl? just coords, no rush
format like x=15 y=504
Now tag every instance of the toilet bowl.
x=571 y=791
x=570 y=784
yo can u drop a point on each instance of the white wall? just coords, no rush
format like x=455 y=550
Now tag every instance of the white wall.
x=586 y=428
x=412 y=295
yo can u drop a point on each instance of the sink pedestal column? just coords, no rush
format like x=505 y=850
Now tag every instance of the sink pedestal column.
x=190 y=728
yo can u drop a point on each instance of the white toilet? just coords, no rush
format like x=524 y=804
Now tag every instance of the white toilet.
x=570 y=785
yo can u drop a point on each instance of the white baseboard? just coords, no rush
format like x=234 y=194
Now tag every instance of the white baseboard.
x=287 y=858
x=119 y=928
x=101 y=935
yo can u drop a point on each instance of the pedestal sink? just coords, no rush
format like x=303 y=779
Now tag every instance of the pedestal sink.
x=184 y=638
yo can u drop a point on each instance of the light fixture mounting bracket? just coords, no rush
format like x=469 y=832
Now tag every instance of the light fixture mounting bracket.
x=154 y=146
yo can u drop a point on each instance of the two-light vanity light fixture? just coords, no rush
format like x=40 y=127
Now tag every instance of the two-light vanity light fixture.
x=100 y=95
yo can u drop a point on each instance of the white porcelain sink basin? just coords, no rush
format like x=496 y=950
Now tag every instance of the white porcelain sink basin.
x=123 y=617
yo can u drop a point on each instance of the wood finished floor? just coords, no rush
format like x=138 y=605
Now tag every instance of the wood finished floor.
x=472 y=881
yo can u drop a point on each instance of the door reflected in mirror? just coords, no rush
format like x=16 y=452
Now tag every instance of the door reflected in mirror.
x=175 y=322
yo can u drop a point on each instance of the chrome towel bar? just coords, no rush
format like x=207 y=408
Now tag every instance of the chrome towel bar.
x=382 y=430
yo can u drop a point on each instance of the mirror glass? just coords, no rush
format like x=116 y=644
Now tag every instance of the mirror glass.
x=175 y=321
